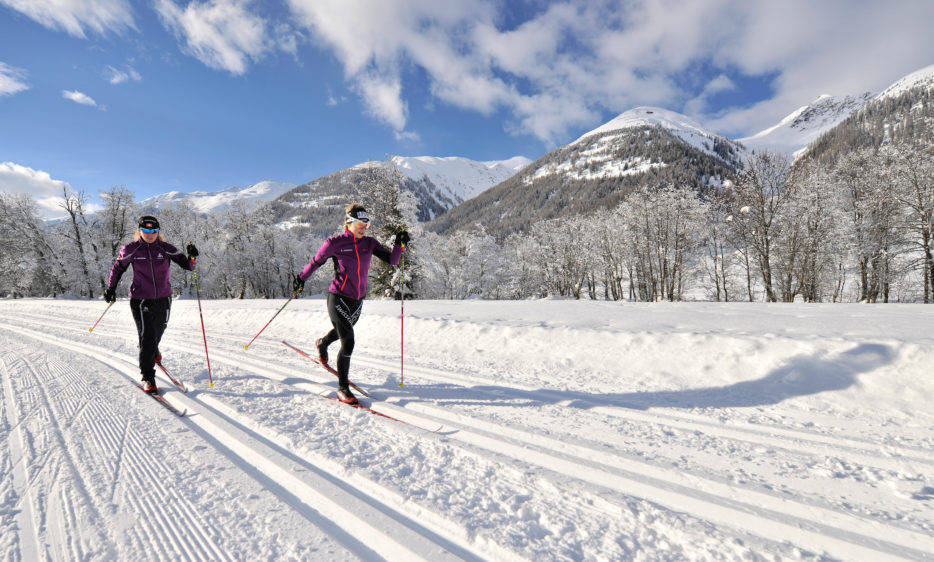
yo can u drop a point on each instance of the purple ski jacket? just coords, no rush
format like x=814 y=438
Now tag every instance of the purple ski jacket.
x=353 y=262
x=150 y=268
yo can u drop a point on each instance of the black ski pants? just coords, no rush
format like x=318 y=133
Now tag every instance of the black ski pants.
x=344 y=313
x=151 y=317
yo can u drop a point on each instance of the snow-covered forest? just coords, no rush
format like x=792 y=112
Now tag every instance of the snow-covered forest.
x=858 y=228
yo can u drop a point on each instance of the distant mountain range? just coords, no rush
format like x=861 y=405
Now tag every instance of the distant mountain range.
x=654 y=147
x=215 y=201
x=645 y=145
x=642 y=146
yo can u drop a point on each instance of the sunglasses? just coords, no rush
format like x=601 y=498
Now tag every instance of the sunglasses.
x=149 y=230
x=354 y=221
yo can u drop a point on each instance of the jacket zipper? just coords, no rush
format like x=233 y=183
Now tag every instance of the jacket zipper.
x=359 y=283
x=152 y=269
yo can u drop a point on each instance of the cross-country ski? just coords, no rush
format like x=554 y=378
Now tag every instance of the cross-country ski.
x=161 y=400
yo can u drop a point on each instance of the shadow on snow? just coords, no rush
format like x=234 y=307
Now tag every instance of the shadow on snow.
x=802 y=376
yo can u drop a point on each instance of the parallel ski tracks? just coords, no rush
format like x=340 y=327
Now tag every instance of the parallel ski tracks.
x=766 y=515
x=164 y=517
x=379 y=527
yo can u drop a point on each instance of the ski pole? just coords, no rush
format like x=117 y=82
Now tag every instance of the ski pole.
x=247 y=346
x=204 y=334
x=402 y=323
x=102 y=315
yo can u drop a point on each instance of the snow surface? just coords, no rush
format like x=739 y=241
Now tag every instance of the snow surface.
x=566 y=430
x=215 y=201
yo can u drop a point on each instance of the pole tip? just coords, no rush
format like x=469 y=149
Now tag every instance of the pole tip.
x=247 y=346
x=401 y=385
x=90 y=329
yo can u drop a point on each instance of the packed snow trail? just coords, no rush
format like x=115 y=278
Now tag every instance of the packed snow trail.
x=784 y=463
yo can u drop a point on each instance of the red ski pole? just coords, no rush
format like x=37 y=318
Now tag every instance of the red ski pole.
x=247 y=346
x=102 y=316
x=204 y=334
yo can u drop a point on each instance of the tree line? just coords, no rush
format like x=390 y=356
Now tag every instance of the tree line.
x=857 y=229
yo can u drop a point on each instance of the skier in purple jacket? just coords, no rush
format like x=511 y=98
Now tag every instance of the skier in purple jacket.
x=351 y=253
x=150 y=292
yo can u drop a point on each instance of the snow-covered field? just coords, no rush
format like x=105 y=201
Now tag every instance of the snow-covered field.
x=565 y=431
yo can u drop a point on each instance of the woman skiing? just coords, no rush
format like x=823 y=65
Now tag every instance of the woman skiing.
x=150 y=291
x=351 y=252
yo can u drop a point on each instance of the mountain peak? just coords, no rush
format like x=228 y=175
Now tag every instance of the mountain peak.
x=647 y=116
x=922 y=78
x=456 y=178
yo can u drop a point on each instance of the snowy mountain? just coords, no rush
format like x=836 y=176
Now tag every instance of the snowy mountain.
x=643 y=146
x=210 y=202
x=601 y=146
x=794 y=133
x=682 y=126
x=903 y=112
x=458 y=179
x=439 y=184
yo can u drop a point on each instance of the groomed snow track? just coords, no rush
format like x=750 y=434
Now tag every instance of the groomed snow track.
x=364 y=511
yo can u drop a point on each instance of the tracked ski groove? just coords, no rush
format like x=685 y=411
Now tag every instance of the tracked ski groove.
x=384 y=531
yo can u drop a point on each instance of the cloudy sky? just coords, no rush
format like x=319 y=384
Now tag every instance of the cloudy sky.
x=166 y=95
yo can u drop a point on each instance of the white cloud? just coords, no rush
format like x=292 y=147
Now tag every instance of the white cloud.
x=117 y=76
x=223 y=35
x=77 y=17
x=78 y=97
x=12 y=80
x=383 y=99
x=15 y=178
x=575 y=60
x=48 y=193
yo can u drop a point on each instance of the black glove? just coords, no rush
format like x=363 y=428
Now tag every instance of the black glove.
x=297 y=284
x=402 y=238
x=110 y=295
x=192 y=251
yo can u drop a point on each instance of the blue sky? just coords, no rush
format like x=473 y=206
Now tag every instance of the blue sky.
x=166 y=95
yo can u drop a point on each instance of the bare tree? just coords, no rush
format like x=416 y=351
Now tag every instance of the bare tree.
x=74 y=206
x=911 y=167
x=757 y=206
x=872 y=209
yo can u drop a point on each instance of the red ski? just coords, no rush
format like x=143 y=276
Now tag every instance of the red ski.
x=161 y=399
x=360 y=406
x=325 y=365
